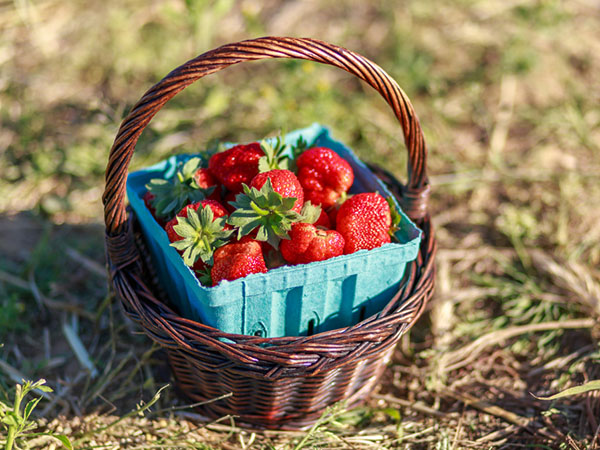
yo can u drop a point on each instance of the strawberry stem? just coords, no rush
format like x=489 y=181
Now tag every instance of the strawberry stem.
x=258 y=210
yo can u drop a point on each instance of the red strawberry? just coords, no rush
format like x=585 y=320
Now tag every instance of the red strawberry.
x=205 y=180
x=364 y=221
x=217 y=208
x=284 y=182
x=148 y=199
x=308 y=243
x=236 y=166
x=230 y=197
x=324 y=175
x=323 y=220
x=236 y=260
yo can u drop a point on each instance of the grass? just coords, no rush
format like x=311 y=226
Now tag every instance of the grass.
x=505 y=93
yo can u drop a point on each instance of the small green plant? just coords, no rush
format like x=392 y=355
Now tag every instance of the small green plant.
x=16 y=420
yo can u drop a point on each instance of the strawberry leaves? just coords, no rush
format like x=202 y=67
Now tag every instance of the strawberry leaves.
x=278 y=156
x=310 y=213
x=266 y=211
x=275 y=156
x=171 y=196
x=201 y=234
x=396 y=218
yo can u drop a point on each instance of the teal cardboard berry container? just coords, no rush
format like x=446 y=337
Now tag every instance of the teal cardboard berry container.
x=290 y=300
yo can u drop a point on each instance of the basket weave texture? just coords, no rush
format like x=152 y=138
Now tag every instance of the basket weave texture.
x=277 y=383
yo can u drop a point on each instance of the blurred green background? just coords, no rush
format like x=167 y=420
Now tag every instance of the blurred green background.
x=71 y=70
x=506 y=91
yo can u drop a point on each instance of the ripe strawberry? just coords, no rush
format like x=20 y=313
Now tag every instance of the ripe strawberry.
x=205 y=180
x=236 y=260
x=284 y=182
x=364 y=221
x=229 y=199
x=324 y=175
x=323 y=220
x=148 y=199
x=197 y=231
x=332 y=211
x=236 y=166
x=309 y=243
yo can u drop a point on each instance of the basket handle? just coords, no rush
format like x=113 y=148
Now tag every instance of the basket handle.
x=416 y=192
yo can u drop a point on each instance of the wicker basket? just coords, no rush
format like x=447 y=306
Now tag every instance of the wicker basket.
x=279 y=383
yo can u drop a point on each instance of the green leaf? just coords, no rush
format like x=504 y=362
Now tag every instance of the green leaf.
x=44 y=388
x=275 y=156
x=11 y=419
x=310 y=213
x=30 y=407
x=184 y=228
x=396 y=218
x=190 y=167
x=587 y=387
x=265 y=210
x=170 y=196
x=204 y=277
x=299 y=147
x=64 y=440
x=202 y=234
x=393 y=413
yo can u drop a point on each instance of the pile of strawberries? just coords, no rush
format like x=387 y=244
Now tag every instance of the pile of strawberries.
x=255 y=207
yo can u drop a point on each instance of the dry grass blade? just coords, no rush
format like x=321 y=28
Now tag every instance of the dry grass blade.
x=469 y=353
x=79 y=349
x=415 y=406
x=571 y=276
x=86 y=262
x=50 y=303
x=496 y=410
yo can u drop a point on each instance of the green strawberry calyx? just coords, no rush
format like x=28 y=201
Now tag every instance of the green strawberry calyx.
x=204 y=276
x=265 y=210
x=310 y=213
x=172 y=195
x=201 y=234
x=277 y=156
x=396 y=218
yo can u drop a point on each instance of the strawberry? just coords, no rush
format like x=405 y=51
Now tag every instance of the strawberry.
x=199 y=230
x=323 y=220
x=364 y=221
x=237 y=259
x=333 y=209
x=148 y=199
x=284 y=182
x=229 y=199
x=205 y=180
x=172 y=195
x=236 y=166
x=309 y=243
x=324 y=175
